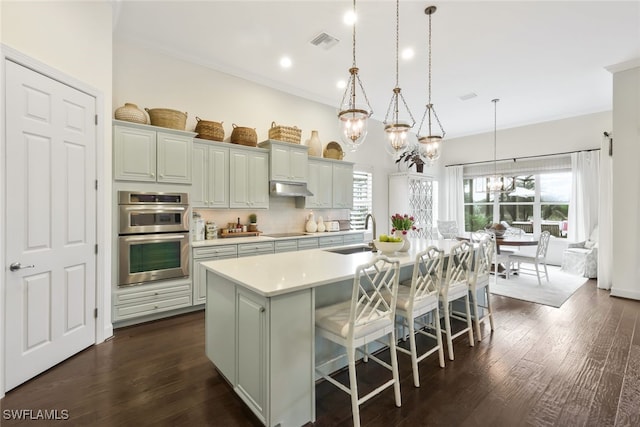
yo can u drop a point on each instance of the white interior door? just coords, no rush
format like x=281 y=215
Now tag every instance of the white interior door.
x=51 y=223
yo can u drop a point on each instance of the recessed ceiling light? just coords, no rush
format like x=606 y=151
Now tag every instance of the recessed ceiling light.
x=341 y=84
x=285 y=62
x=408 y=53
x=349 y=18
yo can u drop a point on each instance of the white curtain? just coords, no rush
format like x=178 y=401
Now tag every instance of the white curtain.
x=584 y=204
x=454 y=196
x=605 y=215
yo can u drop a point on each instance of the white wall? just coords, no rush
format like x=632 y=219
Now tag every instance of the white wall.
x=75 y=39
x=626 y=182
x=153 y=80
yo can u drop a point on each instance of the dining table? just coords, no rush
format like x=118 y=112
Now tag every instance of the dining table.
x=506 y=240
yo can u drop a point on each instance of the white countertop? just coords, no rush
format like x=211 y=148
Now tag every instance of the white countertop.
x=262 y=238
x=275 y=274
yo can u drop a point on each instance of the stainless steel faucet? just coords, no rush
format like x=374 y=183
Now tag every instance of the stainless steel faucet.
x=366 y=227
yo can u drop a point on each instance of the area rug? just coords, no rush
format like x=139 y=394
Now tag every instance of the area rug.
x=555 y=292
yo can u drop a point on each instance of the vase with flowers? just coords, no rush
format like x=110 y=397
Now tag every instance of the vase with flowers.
x=412 y=157
x=400 y=227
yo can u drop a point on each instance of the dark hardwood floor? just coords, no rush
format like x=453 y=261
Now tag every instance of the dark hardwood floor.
x=578 y=365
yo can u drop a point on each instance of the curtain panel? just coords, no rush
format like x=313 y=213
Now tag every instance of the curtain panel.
x=454 y=195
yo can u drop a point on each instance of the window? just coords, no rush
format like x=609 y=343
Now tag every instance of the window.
x=362 y=198
x=539 y=202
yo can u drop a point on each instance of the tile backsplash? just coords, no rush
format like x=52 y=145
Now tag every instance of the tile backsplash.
x=281 y=217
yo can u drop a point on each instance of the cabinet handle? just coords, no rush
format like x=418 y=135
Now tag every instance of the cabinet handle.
x=155 y=307
x=153 y=175
x=262 y=309
x=161 y=175
x=155 y=293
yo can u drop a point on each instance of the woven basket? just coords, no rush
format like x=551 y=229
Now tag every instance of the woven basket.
x=209 y=130
x=244 y=136
x=285 y=133
x=131 y=113
x=166 y=118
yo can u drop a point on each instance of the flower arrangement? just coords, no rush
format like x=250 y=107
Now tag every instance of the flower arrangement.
x=402 y=223
x=412 y=157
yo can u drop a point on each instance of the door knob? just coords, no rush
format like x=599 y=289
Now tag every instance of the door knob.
x=17 y=266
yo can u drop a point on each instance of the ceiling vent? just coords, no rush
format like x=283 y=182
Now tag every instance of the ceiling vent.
x=324 y=41
x=467 y=96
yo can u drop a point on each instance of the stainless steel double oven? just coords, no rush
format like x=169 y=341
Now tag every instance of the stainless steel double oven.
x=153 y=236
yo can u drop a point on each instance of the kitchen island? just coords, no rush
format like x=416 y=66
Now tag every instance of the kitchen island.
x=260 y=326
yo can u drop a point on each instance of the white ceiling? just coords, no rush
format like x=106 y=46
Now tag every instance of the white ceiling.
x=545 y=60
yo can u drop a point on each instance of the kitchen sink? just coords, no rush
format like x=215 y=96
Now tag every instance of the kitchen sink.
x=350 y=249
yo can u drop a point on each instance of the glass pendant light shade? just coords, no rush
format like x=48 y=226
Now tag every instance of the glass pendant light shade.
x=353 y=118
x=397 y=138
x=430 y=147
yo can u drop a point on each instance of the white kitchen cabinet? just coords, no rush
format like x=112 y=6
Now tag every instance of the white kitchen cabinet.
x=320 y=183
x=412 y=194
x=342 y=185
x=248 y=178
x=152 y=154
x=205 y=254
x=285 y=245
x=287 y=162
x=210 y=188
x=267 y=341
x=331 y=182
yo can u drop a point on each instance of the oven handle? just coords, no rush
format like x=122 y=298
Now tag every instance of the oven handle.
x=154 y=209
x=153 y=238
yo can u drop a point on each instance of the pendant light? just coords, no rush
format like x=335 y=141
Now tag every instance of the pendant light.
x=430 y=145
x=353 y=118
x=397 y=129
x=497 y=183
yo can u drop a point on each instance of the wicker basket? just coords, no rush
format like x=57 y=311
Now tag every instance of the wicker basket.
x=166 y=118
x=285 y=133
x=244 y=136
x=209 y=130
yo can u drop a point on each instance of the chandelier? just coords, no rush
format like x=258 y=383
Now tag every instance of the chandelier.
x=396 y=128
x=353 y=118
x=430 y=145
x=498 y=183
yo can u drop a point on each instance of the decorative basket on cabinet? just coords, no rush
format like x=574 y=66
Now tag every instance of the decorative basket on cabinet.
x=209 y=130
x=244 y=136
x=285 y=133
x=167 y=118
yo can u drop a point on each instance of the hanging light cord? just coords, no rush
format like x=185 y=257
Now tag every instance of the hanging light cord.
x=427 y=114
x=495 y=132
x=397 y=39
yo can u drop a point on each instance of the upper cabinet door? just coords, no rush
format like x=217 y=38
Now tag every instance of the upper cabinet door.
x=298 y=162
x=134 y=154
x=218 y=177
x=174 y=158
x=343 y=185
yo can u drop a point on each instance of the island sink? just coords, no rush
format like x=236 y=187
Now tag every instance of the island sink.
x=350 y=250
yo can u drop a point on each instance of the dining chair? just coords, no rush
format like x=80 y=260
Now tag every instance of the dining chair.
x=456 y=286
x=448 y=229
x=416 y=301
x=501 y=258
x=539 y=258
x=367 y=317
x=479 y=282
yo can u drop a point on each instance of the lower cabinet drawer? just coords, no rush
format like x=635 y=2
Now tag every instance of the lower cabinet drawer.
x=353 y=238
x=308 y=243
x=216 y=251
x=330 y=241
x=285 y=245
x=249 y=249
x=150 y=293
x=160 y=305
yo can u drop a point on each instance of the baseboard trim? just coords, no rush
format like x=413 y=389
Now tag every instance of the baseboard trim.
x=625 y=293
